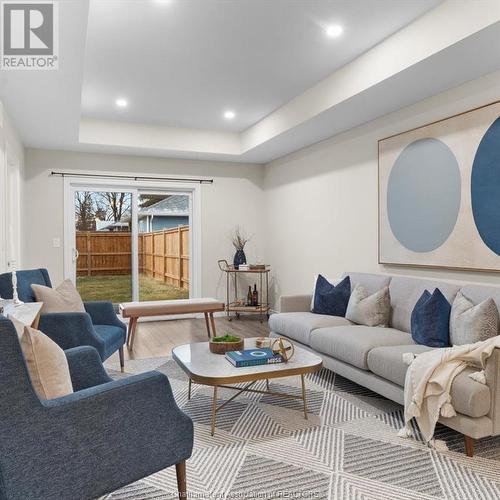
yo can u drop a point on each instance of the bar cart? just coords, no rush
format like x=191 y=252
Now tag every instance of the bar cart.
x=235 y=305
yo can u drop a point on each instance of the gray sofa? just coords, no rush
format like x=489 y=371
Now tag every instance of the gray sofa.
x=372 y=356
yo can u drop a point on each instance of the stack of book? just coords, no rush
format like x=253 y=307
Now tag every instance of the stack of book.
x=253 y=357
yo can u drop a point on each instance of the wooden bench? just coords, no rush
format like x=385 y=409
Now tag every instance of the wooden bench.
x=136 y=310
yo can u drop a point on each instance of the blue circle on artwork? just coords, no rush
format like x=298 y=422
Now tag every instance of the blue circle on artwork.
x=423 y=195
x=485 y=187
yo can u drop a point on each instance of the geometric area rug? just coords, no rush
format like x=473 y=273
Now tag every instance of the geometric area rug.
x=347 y=449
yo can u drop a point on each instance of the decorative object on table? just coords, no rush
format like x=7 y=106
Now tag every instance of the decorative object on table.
x=261 y=342
x=239 y=241
x=284 y=348
x=253 y=357
x=439 y=193
x=225 y=343
x=243 y=267
x=262 y=289
x=15 y=296
x=331 y=299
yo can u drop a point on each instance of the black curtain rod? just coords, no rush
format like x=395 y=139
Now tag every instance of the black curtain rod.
x=133 y=177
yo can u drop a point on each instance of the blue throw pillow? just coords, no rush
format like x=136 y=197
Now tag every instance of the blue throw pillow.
x=330 y=299
x=430 y=320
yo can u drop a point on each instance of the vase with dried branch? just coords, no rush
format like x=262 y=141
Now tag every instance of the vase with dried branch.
x=239 y=240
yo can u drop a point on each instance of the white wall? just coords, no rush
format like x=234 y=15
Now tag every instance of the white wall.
x=322 y=201
x=11 y=190
x=235 y=197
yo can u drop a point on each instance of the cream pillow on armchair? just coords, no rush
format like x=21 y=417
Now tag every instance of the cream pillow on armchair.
x=46 y=361
x=64 y=298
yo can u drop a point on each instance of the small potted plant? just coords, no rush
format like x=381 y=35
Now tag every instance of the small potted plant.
x=239 y=240
x=225 y=343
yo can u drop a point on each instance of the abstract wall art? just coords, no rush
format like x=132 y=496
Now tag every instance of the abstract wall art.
x=439 y=193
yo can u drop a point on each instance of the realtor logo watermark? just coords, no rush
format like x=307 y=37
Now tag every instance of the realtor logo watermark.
x=30 y=36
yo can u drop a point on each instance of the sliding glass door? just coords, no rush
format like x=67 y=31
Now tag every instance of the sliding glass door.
x=103 y=245
x=163 y=221
x=129 y=243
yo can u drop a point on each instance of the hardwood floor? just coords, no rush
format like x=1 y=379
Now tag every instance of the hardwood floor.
x=155 y=339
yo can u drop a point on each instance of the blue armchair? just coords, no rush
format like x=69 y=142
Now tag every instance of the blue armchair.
x=103 y=436
x=98 y=327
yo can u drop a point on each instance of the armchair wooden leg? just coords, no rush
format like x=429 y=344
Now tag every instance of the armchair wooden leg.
x=180 y=470
x=469 y=446
x=122 y=359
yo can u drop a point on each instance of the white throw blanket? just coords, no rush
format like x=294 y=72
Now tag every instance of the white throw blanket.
x=429 y=379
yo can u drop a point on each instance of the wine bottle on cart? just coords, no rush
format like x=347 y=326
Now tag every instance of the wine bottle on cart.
x=255 y=296
x=249 y=296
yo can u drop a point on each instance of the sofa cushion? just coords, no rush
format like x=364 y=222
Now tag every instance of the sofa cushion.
x=299 y=325
x=404 y=295
x=352 y=344
x=467 y=396
x=387 y=362
x=331 y=299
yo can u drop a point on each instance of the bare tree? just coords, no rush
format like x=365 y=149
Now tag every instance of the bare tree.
x=84 y=211
x=117 y=205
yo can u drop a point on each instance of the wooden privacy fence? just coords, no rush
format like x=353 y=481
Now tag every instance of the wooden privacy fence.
x=163 y=255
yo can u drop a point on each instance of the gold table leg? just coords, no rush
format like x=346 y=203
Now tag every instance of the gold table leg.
x=214 y=409
x=304 y=395
x=247 y=388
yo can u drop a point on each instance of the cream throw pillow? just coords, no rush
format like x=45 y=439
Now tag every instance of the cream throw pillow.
x=64 y=298
x=46 y=361
x=471 y=323
x=369 y=310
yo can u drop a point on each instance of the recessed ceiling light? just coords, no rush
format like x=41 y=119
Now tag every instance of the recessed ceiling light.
x=334 y=30
x=229 y=114
x=121 y=103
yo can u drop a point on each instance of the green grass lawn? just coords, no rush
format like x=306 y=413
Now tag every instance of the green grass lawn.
x=119 y=289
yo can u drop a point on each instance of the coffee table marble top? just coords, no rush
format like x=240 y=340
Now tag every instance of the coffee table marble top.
x=207 y=368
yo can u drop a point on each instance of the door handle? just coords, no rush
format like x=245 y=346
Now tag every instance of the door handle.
x=76 y=254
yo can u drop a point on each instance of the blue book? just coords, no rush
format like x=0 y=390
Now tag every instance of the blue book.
x=253 y=357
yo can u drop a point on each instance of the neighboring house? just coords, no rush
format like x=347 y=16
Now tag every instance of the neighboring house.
x=165 y=214
x=108 y=225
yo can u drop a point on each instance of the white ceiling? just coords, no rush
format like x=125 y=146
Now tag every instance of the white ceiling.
x=183 y=62
x=180 y=63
